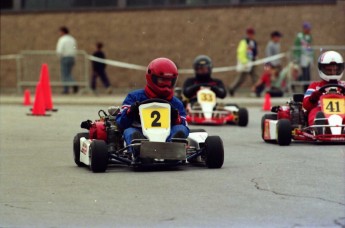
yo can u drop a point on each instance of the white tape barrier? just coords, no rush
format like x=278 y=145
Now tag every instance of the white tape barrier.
x=5 y=57
x=183 y=71
x=143 y=68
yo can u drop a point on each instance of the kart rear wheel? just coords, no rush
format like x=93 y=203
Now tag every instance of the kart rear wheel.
x=284 y=134
x=76 y=147
x=267 y=117
x=242 y=117
x=214 y=152
x=98 y=156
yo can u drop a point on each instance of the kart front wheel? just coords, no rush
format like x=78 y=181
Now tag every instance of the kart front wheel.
x=284 y=134
x=214 y=152
x=98 y=156
x=76 y=147
x=243 y=117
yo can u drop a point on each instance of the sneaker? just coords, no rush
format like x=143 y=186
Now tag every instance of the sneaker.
x=109 y=90
x=231 y=92
x=75 y=89
x=179 y=135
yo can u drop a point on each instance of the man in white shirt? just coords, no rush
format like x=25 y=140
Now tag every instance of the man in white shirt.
x=66 y=49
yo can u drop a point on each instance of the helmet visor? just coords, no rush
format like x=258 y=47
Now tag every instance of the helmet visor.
x=162 y=82
x=332 y=68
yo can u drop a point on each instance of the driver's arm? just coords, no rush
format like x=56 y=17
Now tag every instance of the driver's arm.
x=219 y=89
x=190 y=88
x=123 y=120
x=311 y=97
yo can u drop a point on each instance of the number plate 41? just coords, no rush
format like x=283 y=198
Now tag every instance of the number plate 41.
x=333 y=106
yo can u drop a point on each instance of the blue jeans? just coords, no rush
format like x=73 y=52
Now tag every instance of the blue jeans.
x=127 y=134
x=67 y=64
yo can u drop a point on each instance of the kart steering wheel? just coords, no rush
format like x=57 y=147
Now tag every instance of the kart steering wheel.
x=323 y=88
x=158 y=100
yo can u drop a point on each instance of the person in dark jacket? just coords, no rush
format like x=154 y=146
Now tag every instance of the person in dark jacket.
x=98 y=69
x=203 y=78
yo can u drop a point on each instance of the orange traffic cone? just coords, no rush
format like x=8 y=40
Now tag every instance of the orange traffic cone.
x=267 y=103
x=47 y=92
x=39 y=107
x=27 y=100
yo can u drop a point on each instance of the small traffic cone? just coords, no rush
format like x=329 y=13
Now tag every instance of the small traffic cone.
x=39 y=107
x=47 y=92
x=27 y=100
x=267 y=103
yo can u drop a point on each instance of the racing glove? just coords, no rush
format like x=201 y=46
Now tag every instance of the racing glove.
x=133 y=111
x=175 y=116
x=220 y=92
x=315 y=96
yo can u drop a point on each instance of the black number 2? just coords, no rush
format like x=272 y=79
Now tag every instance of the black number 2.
x=156 y=115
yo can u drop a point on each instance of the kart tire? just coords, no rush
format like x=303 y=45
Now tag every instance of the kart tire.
x=76 y=147
x=284 y=134
x=98 y=156
x=267 y=117
x=214 y=152
x=243 y=117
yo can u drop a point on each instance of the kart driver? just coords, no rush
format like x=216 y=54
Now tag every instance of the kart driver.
x=203 y=69
x=161 y=76
x=331 y=69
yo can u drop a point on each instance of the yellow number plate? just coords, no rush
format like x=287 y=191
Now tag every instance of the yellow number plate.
x=156 y=117
x=206 y=97
x=333 y=106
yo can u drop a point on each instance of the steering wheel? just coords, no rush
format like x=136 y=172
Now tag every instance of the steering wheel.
x=323 y=88
x=151 y=100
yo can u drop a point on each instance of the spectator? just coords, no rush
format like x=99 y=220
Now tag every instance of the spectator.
x=203 y=71
x=98 y=69
x=267 y=82
x=66 y=49
x=287 y=75
x=247 y=51
x=303 y=52
x=273 y=48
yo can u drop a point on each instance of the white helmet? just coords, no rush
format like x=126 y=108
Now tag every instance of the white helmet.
x=331 y=66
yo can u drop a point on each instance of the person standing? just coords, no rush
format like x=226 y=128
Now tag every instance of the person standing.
x=98 y=69
x=247 y=51
x=273 y=48
x=66 y=49
x=303 y=52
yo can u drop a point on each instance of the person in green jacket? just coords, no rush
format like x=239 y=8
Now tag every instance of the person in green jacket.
x=303 y=52
x=247 y=51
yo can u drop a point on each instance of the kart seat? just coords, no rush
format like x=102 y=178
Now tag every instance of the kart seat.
x=298 y=97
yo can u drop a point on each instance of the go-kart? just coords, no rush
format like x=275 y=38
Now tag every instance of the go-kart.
x=103 y=145
x=207 y=111
x=289 y=122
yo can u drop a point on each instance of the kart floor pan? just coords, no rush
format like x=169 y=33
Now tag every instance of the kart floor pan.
x=163 y=150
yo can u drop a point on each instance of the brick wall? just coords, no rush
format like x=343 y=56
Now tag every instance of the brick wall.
x=138 y=36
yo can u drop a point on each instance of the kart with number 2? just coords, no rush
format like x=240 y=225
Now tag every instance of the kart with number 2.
x=103 y=144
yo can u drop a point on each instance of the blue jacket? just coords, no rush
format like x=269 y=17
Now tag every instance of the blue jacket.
x=124 y=121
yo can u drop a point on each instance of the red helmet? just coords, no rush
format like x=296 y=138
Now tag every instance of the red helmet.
x=161 y=76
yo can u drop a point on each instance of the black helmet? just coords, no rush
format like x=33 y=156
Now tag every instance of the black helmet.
x=202 y=61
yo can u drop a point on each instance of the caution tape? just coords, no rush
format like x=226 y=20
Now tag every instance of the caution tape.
x=182 y=71
x=143 y=68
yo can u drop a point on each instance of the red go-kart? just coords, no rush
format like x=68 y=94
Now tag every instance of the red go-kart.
x=209 y=112
x=289 y=122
